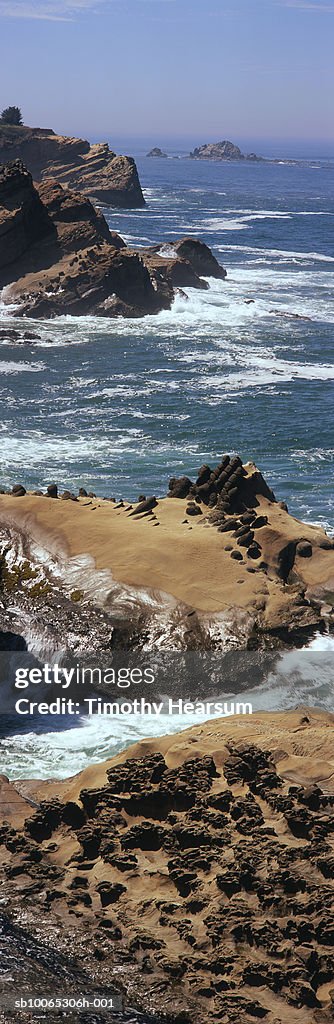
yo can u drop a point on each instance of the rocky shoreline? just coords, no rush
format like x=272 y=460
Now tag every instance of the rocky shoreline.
x=218 y=562
x=58 y=256
x=192 y=873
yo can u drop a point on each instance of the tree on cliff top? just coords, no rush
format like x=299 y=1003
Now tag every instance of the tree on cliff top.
x=11 y=115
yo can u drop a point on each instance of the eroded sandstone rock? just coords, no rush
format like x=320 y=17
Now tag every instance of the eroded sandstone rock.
x=218 y=912
x=94 y=169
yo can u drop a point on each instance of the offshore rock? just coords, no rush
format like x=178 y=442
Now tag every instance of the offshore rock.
x=224 y=150
x=96 y=170
x=157 y=152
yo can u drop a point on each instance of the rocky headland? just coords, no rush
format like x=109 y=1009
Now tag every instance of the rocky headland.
x=93 y=169
x=217 y=561
x=194 y=874
x=58 y=256
x=224 y=150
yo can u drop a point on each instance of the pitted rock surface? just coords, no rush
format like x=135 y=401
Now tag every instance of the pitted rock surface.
x=210 y=891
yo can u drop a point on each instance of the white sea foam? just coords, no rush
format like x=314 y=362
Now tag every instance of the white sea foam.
x=61 y=449
x=280 y=214
x=8 y=367
x=315 y=455
x=264 y=370
x=243 y=220
x=313 y=257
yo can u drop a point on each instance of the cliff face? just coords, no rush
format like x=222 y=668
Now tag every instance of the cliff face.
x=96 y=169
x=57 y=256
x=24 y=220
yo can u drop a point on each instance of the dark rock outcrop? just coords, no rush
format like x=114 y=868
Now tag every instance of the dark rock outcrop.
x=18 y=491
x=224 y=150
x=228 y=488
x=58 y=256
x=157 y=152
x=24 y=220
x=177 y=271
x=144 y=506
x=200 y=257
x=179 y=488
x=96 y=170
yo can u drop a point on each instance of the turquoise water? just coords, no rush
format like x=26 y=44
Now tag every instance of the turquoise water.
x=121 y=405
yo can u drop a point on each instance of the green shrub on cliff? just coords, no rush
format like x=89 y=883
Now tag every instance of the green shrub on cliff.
x=11 y=115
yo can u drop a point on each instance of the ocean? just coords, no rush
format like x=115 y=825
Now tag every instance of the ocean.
x=246 y=367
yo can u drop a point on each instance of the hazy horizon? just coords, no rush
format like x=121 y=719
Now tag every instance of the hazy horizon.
x=168 y=68
x=270 y=147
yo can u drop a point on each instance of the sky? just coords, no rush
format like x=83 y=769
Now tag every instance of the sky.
x=198 y=69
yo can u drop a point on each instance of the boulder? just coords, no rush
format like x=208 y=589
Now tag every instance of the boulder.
x=179 y=488
x=200 y=257
x=193 y=509
x=179 y=272
x=144 y=506
x=18 y=491
x=52 y=491
x=304 y=549
x=204 y=474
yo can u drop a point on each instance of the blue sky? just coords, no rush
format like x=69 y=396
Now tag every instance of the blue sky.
x=206 y=69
